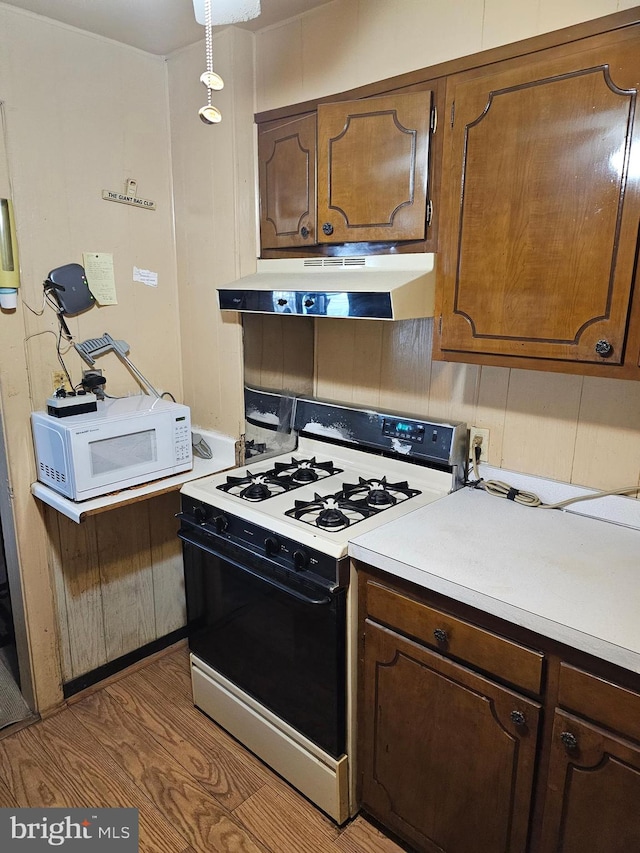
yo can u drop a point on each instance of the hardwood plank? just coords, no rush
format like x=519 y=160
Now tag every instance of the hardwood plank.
x=79 y=564
x=541 y=423
x=172 y=671
x=7 y=800
x=126 y=578
x=453 y=392
x=223 y=774
x=51 y=517
x=194 y=813
x=31 y=780
x=72 y=751
x=166 y=564
x=406 y=366
x=262 y=815
x=360 y=836
x=134 y=667
x=490 y=409
x=608 y=407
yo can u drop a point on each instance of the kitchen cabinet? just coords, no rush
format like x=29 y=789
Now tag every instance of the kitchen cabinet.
x=287 y=175
x=541 y=201
x=471 y=739
x=593 y=784
x=372 y=160
x=447 y=753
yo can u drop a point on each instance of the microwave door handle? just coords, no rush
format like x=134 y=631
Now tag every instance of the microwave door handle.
x=316 y=602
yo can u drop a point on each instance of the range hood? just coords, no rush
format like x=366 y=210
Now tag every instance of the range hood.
x=378 y=287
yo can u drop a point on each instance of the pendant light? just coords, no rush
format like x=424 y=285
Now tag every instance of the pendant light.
x=210 y=114
x=226 y=12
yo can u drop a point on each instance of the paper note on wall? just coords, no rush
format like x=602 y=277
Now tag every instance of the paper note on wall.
x=98 y=267
x=146 y=277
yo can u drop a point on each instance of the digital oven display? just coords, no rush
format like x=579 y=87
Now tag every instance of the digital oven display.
x=409 y=430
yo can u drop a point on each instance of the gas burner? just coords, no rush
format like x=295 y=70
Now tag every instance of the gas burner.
x=304 y=471
x=377 y=493
x=254 y=487
x=332 y=513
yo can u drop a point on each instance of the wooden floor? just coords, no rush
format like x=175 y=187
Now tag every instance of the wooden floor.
x=139 y=742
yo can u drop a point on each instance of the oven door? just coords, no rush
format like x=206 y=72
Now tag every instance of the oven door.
x=279 y=639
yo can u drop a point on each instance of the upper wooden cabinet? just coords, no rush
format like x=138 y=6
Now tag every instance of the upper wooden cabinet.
x=541 y=201
x=287 y=173
x=372 y=160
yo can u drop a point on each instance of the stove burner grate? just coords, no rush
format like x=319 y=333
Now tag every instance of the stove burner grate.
x=253 y=487
x=377 y=492
x=353 y=503
x=304 y=471
x=283 y=477
x=332 y=513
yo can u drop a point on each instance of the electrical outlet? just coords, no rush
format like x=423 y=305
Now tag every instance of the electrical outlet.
x=59 y=380
x=92 y=371
x=481 y=437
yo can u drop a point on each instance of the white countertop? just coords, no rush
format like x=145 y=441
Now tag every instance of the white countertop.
x=571 y=578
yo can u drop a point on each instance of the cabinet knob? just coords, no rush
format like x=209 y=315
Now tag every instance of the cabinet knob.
x=604 y=348
x=569 y=740
x=304 y=232
x=440 y=635
x=327 y=229
x=518 y=718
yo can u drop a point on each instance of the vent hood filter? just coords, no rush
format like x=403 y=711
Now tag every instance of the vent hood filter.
x=374 y=287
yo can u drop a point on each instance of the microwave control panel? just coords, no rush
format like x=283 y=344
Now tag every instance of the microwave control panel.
x=182 y=439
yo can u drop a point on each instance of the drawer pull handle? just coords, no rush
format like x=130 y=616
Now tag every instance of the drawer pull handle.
x=518 y=718
x=569 y=740
x=440 y=635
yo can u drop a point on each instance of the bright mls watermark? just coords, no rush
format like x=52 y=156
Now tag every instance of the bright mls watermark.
x=74 y=830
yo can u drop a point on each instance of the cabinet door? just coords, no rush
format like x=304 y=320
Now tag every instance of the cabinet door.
x=593 y=791
x=287 y=170
x=541 y=219
x=372 y=168
x=446 y=755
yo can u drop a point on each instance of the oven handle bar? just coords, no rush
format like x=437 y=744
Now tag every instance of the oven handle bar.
x=316 y=602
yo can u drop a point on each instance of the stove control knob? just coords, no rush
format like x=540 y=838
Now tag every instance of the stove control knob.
x=300 y=559
x=271 y=546
x=220 y=522
x=201 y=514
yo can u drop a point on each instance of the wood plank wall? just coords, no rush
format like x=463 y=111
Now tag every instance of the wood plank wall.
x=582 y=430
x=119 y=581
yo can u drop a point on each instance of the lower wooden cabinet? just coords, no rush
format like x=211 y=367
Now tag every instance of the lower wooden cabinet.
x=593 y=790
x=451 y=753
x=470 y=740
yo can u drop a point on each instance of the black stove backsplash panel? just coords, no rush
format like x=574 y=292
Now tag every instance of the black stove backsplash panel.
x=427 y=440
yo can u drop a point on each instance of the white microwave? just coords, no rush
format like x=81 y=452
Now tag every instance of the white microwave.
x=126 y=442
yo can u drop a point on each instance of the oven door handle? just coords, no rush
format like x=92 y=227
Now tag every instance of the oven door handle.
x=316 y=602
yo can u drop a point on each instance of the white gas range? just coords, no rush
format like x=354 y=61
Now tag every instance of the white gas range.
x=269 y=603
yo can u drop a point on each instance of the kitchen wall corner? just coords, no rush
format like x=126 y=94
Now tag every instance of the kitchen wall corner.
x=214 y=192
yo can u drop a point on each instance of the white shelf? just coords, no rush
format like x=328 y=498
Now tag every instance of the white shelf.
x=224 y=455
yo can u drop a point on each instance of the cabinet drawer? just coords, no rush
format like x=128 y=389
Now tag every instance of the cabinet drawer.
x=482 y=649
x=608 y=704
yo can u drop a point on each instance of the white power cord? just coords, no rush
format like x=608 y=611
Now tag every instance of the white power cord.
x=499 y=489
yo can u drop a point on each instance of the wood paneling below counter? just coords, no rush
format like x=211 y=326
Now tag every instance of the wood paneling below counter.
x=119 y=581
